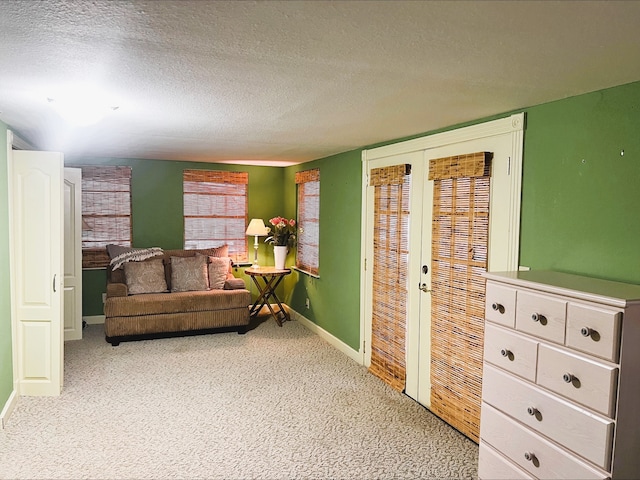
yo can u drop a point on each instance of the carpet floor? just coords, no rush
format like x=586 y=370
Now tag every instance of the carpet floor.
x=276 y=403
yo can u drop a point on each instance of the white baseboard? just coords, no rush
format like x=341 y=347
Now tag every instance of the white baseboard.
x=94 y=319
x=12 y=401
x=327 y=337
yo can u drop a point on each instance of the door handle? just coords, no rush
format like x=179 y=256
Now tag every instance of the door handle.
x=54 y=283
x=423 y=287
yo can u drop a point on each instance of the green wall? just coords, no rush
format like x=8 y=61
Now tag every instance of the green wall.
x=335 y=296
x=581 y=197
x=6 y=360
x=156 y=198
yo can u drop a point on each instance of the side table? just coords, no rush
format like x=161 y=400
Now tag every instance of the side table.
x=270 y=279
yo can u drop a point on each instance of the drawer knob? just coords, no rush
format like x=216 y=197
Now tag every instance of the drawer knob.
x=532 y=411
x=505 y=352
x=568 y=378
x=586 y=331
x=497 y=307
x=536 y=317
x=530 y=457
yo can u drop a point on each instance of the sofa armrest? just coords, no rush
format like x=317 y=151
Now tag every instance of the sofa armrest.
x=234 y=284
x=117 y=290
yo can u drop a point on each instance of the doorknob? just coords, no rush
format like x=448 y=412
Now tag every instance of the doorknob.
x=423 y=287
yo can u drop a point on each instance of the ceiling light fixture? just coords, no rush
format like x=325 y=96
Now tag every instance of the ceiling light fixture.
x=81 y=107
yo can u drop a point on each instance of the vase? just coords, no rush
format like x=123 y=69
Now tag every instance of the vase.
x=280 y=255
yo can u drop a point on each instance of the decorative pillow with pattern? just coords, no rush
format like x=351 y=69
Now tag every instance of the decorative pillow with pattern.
x=145 y=277
x=189 y=274
x=218 y=271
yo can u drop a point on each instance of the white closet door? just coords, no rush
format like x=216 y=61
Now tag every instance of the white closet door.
x=72 y=254
x=37 y=231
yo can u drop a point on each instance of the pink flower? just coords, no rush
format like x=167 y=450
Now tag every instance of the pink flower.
x=283 y=233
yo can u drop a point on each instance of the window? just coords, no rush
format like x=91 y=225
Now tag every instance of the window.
x=215 y=210
x=307 y=258
x=106 y=212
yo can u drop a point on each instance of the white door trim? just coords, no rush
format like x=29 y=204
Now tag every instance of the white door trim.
x=375 y=157
x=72 y=254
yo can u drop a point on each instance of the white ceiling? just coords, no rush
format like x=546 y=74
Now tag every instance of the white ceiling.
x=283 y=82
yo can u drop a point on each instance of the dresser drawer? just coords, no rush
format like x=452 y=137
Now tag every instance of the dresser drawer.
x=594 y=330
x=538 y=456
x=500 y=306
x=541 y=316
x=493 y=466
x=589 y=435
x=586 y=381
x=510 y=351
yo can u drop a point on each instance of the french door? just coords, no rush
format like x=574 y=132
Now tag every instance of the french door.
x=503 y=138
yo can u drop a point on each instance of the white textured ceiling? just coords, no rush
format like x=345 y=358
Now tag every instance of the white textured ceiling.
x=284 y=82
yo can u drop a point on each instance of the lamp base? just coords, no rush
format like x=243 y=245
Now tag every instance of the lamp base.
x=255 y=255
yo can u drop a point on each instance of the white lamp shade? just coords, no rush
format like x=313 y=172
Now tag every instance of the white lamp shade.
x=256 y=227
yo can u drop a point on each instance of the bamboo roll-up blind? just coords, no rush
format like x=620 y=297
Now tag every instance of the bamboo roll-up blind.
x=215 y=210
x=390 y=257
x=308 y=245
x=106 y=212
x=459 y=257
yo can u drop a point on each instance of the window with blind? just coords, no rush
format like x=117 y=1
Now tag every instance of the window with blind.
x=106 y=212
x=215 y=211
x=307 y=258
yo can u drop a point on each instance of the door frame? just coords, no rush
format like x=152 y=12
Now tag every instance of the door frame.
x=73 y=253
x=376 y=157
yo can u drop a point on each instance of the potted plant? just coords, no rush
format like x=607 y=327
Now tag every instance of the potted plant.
x=282 y=236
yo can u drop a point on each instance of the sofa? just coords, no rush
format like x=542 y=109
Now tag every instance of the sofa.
x=155 y=293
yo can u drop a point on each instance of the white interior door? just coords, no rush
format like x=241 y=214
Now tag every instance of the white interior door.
x=72 y=254
x=37 y=270
x=503 y=138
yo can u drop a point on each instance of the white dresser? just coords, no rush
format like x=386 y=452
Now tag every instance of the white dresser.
x=561 y=378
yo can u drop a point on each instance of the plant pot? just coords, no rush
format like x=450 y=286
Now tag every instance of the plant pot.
x=280 y=255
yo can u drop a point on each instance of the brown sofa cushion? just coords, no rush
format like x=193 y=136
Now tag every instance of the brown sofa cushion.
x=178 y=302
x=145 y=277
x=189 y=274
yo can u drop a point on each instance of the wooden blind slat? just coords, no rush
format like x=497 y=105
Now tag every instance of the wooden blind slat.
x=312 y=175
x=308 y=239
x=458 y=166
x=215 y=210
x=393 y=175
x=459 y=257
x=390 y=267
x=106 y=212
x=216 y=177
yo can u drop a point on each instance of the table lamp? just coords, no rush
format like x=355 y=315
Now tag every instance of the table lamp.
x=257 y=229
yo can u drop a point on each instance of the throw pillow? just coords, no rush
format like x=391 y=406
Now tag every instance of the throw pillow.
x=189 y=274
x=218 y=271
x=145 y=277
x=221 y=251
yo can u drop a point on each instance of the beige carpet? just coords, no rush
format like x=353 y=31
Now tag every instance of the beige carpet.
x=276 y=403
